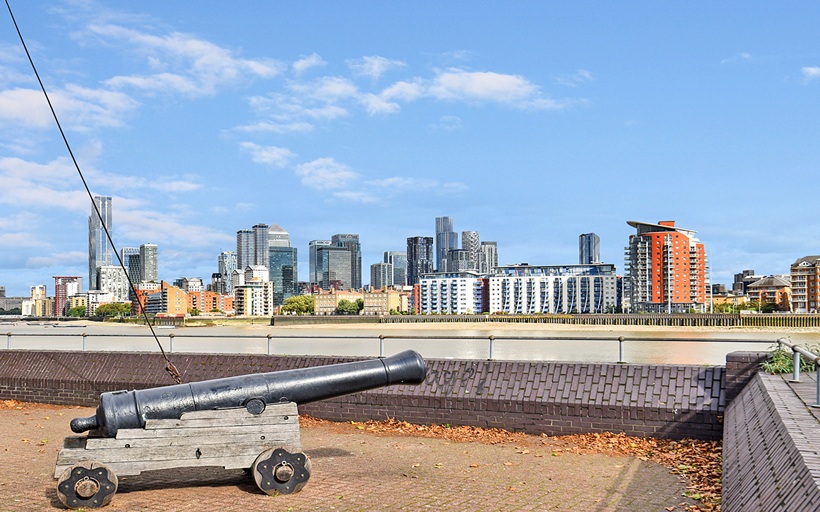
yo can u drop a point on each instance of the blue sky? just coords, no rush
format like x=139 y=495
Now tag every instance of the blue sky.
x=530 y=122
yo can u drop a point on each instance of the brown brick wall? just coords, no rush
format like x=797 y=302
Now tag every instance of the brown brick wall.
x=536 y=397
x=770 y=448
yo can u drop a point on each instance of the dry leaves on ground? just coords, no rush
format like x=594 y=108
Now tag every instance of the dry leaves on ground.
x=699 y=461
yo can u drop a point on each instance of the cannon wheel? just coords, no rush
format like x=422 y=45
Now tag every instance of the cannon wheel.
x=277 y=471
x=87 y=484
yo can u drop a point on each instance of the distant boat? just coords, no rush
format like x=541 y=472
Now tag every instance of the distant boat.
x=68 y=325
x=166 y=327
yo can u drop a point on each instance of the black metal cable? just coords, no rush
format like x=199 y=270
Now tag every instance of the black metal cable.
x=169 y=366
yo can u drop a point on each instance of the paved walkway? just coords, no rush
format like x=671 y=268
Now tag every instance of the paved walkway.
x=353 y=470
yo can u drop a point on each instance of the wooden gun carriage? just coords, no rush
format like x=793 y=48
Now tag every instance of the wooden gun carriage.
x=249 y=422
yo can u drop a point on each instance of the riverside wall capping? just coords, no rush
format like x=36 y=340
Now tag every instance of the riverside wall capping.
x=668 y=401
x=771 y=449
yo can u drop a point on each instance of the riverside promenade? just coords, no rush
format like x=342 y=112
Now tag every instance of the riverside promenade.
x=354 y=470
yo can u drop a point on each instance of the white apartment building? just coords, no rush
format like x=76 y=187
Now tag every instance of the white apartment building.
x=254 y=299
x=457 y=293
x=562 y=289
x=112 y=279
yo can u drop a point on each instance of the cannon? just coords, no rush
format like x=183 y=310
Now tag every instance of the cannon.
x=249 y=422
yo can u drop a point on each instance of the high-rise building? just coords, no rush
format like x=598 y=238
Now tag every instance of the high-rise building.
x=380 y=275
x=112 y=279
x=261 y=242
x=226 y=265
x=589 y=249
x=351 y=243
x=471 y=242
x=805 y=284
x=446 y=239
x=458 y=260
x=278 y=237
x=100 y=251
x=419 y=258
x=245 y=249
x=131 y=262
x=398 y=262
x=666 y=269
x=284 y=273
x=149 y=263
x=315 y=275
x=65 y=287
x=489 y=257
x=334 y=264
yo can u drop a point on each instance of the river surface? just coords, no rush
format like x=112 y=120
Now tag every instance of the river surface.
x=460 y=341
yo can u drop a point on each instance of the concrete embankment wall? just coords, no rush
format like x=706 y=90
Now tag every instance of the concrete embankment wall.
x=665 y=401
x=771 y=450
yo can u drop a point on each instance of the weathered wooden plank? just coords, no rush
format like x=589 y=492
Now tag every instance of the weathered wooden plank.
x=180 y=453
x=138 y=433
x=191 y=440
x=136 y=467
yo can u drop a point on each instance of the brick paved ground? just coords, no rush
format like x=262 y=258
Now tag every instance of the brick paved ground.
x=353 y=470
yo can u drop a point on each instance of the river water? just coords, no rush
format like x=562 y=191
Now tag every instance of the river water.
x=460 y=341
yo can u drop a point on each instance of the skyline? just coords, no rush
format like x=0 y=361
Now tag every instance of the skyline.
x=531 y=123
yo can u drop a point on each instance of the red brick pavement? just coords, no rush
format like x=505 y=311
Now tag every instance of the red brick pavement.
x=353 y=470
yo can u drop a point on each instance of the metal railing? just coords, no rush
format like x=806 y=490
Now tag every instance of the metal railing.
x=797 y=352
x=491 y=340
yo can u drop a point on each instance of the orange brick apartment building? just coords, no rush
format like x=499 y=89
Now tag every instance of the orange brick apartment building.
x=666 y=269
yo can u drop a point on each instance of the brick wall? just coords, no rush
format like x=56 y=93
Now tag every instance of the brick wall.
x=770 y=450
x=537 y=397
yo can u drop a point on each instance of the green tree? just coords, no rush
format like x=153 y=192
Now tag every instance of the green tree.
x=77 y=311
x=299 y=304
x=345 y=307
x=114 y=309
x=194 y=312
x=360 y=304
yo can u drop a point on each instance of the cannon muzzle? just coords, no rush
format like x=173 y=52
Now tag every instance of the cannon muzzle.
x=130 y=409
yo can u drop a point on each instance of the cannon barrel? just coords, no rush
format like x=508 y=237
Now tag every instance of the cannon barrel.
x=130 y=409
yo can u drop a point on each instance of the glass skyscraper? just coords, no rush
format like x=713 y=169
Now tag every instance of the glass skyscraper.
x=419 y=258
x=351 y=243
x=398 y=262
x=100 y=252
x=284 y=274
x=446 y=239
x=149 y=264
x=589 y=249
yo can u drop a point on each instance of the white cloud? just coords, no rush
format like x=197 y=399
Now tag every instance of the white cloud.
x=742 y=56
x=161 y=226
x=406 y=91
x=456 y=84
x=278 y=128
x=60 y=259
x=270 y=155
x=174 y=185
x=379 y=105
x=810 y=72
x=20 y=240
x=327 y=88
x=325 y=173
x=374 y=66
x=33 y=185
x=76 y=106
x=183 y=63
x=576 y=79
x=309 y=62
x=356 y=196
x=448 y=123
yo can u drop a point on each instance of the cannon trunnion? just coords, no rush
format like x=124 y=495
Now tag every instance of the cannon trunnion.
x=249 y=422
